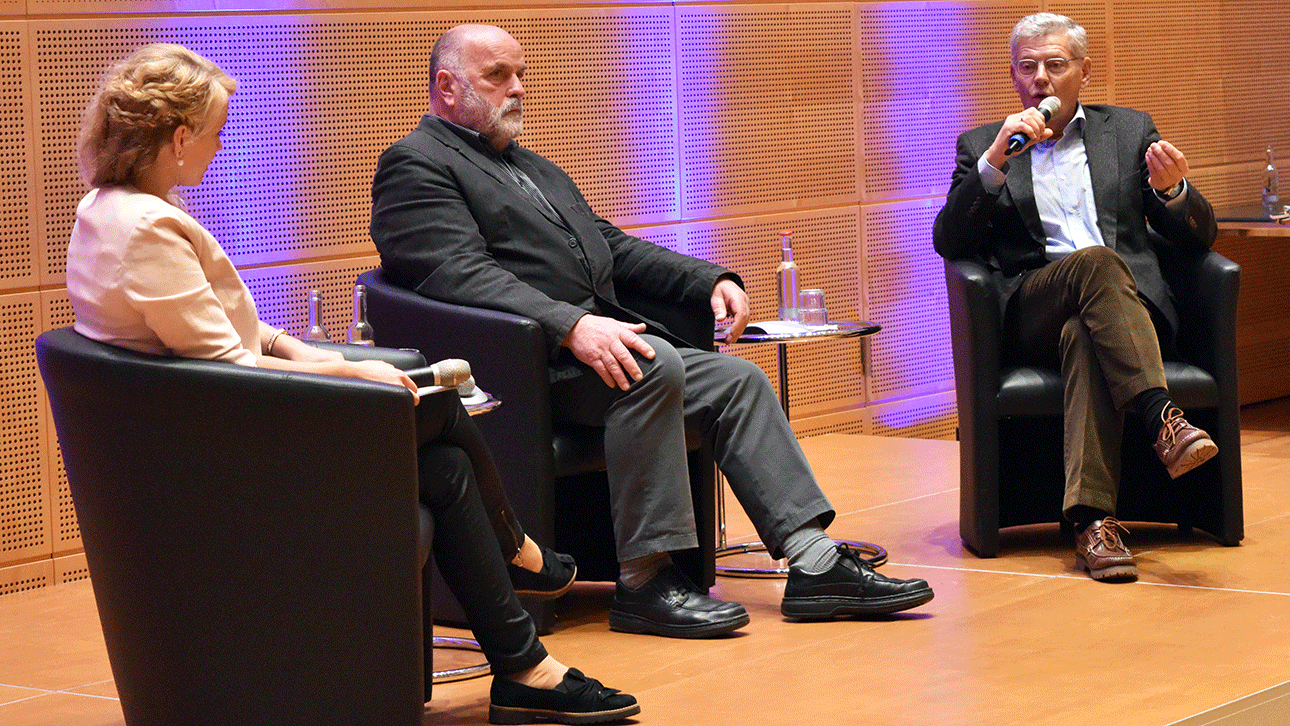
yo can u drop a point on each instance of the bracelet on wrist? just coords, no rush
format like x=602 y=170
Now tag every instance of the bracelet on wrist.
x=268 y=349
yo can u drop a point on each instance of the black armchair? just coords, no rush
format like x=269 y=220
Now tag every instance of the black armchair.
x=553 y=473
x=254 y=537
x=1010 y=415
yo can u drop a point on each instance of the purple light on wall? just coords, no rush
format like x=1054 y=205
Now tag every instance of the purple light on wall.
x=929 y=71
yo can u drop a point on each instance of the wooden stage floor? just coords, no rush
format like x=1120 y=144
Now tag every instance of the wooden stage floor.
x=1202 y=638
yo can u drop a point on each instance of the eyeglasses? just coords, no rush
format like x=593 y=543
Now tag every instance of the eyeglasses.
x=1054 y=67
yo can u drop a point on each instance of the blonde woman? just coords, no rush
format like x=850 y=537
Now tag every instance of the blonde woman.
x=144 y=274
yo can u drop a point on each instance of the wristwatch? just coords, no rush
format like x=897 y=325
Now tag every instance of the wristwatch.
x=1171 y=193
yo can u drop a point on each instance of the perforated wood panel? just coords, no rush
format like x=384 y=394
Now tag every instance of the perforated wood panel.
x=928 y=72
x=17 y=257
x=72 y=568
x=281 y=293
x=304 y=130
x=905 y=293
x=768 y=109
x=66 y=532
x=854 y=421
x=825 y=375
x=30 y=576
x=1095 y=17
x=24 y=498
x=1211 y=83
x=922 y=417
x=68 y=7
x=1236 y=184
x=1262 y=337
x=600 y=103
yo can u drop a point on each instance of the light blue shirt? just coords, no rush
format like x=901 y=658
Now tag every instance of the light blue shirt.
x=1063 y=190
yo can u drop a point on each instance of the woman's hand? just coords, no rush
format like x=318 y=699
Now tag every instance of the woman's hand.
x=375 y=370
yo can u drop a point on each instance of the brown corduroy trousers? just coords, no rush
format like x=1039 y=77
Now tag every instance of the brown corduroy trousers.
x=1084 y=312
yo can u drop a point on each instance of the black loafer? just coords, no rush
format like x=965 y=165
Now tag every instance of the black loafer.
x=850 y=587
x=578 y=699
x=555 y=579
x=670 y=605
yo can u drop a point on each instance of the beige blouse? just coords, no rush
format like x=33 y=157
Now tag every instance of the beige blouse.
x=144 y=275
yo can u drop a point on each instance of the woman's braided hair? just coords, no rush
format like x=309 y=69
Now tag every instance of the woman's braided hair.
x=140 y=103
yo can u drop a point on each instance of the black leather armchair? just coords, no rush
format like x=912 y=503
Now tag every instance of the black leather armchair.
x=254 y=537
x=1010 y=415
x=553 y=473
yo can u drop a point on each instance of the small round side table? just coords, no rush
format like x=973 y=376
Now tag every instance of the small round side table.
x=872 y=553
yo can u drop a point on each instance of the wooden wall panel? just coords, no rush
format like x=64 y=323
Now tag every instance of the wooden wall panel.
x=281 y=293
x=824 y=376
x=928 y=72
x=933 y=416
x=601 y=103
x=65 y=532
x=768 y=114
x=1211 y=73
x=305 y=128
x=24 y=495
x=28 y=576
x=905 y=293
x=17 y=257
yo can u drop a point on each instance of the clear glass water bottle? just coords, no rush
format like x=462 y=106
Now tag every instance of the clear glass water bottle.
x=360 y=333
x=786 y=278
x=1271 y=182
x=316 y=331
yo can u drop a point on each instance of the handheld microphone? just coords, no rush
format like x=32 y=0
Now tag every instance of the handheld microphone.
x=1047 y=107
x=449 y=373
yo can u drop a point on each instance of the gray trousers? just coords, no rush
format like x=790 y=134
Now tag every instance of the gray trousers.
x=1084 y=309
x=686 y=391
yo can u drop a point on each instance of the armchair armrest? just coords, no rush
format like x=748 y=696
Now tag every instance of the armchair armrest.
x=690 y=320
x=401 y=358
x=1207 y=289
x=508 y=358
x=975 y=334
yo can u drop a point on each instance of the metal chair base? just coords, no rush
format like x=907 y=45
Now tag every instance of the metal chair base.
x=872 y=553
x=465 y=672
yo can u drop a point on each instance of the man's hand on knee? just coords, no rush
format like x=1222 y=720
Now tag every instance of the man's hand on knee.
x=606 y=345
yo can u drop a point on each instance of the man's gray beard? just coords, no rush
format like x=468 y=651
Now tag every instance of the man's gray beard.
x=491 y=121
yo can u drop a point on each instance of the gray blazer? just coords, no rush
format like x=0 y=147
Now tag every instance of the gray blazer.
x=450 y=225
x=1004 y=230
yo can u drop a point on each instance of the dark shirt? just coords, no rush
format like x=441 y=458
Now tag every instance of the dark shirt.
x=503 y=161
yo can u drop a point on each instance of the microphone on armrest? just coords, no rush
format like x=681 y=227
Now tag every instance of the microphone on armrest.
x=449 y=373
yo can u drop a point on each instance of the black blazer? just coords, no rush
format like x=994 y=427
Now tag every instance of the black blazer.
x=450 y=225
x=1004 y=231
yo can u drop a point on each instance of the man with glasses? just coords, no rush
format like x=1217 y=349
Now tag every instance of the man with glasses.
x=1062 y=224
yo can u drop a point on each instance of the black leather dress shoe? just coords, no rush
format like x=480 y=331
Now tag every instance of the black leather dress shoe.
x=578 y=699
x=670 y=605
x=555 y=578
x=850 y=587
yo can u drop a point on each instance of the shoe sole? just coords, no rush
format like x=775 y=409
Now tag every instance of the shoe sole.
x=1114 y=573
x=549 y=594
x=628 y=623
x=825 y=607
x=1193 y=456
x=513 y=715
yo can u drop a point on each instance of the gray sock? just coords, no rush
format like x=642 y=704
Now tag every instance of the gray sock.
x=809 y=548
x=636 y=572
